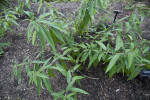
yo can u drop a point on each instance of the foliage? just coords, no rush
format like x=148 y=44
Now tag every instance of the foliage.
x=40 y=72
x=119 y=46
x=7 y=19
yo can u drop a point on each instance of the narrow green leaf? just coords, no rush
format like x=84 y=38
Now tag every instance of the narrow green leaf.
x=51 y=73
x=92 y=60
x=71 y=59
x=135 y=73
x=63 y=63
x=84 y=57
x=68 y=76
x=33 y=38
x=112 y=71
x=57 y=34
x=39 y=83
x=69 y=95
x=59 y=68
x=30 y=14
x=59 y=94
x=128 y=26
x=19 y=75
x=79 y=90
x=13 y=21
x=70 y=85
x=37 y=62
x=76 y=67
x=91 y=9
x=119 y=43
x=101 y=45
x=130 y=59
x=48 y=85
x=112 y=62
x=100 y=56
x=39 y=34
x=48 y=36
x=42 y=75
x=39 y=8
x=146 y=50
x=77 y=78
x=85 y=22
x=44 y=15
x=54 y=25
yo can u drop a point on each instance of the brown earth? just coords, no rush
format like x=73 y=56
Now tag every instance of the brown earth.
x=96 y=82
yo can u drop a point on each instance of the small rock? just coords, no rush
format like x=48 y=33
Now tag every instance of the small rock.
x=117 y=90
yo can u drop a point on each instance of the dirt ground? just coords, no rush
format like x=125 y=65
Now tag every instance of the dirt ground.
x=96 y=82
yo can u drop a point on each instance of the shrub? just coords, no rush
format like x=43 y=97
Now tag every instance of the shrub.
x=120 y=46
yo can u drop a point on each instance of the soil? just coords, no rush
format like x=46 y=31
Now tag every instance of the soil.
x=96 y=82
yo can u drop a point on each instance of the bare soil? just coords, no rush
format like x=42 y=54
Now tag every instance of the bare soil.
x=96 y=82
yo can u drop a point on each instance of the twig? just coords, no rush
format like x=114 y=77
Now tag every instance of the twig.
x=89 y=76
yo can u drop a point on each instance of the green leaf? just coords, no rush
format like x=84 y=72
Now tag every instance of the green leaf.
x=33 y=38
x=112 y=71
x=91 y=9
x=112 y=62
x=39 y=34
x=135 y=73
x=85 y=22
x=128 y=26
x=44 y=15
x=77 y=78
x=54 y=25
x=68 y=96
x=63 y=63
x=19 y=75
x=68 y=76
x=71 y=59
x=51 y=73
x=39 y=8
x=37 y=62
x=130 y=59
x=42 y=75
x=59 y=94
x=28 y=69
x=143 y=15
x=57 y=34
x=100 y=56
x=119 y=43
x=92 y=60
x=48 y=85
x=83 y=46
x=101 y=45
x=84 y=57
x=101 y=5
x=60 y=68
x=70 y=85
x=123 y=19
x=79 y=90
x=146 y=50
x=39 y=83
x=66 y=51
x=13 y=21
x=48 y=36
x=76 y=67
x=47 y=61
x=30 y=14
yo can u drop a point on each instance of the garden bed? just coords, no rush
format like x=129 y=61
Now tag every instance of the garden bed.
x=96 y=82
